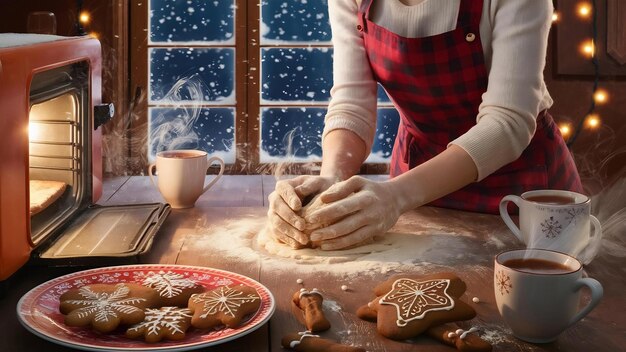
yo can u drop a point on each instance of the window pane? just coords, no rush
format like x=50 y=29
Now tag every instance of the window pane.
x=184 y=21
x=295 y=134
x=296 y=75
x=294 y=21
x=291 y=134
x=192 y=75
x=382 y=95
x=386 y=130
x=208 y=129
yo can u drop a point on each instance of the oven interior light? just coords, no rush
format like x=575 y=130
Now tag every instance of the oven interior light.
x=34 y=131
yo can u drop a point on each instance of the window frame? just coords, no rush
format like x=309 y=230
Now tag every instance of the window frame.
x=247 y=46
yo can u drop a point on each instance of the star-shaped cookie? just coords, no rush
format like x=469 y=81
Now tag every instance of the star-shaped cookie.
x=407 y=305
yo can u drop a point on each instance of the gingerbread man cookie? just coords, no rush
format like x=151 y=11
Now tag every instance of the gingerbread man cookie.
x=223 y=305
x=106 y=306
x=463 y=340
x=169 y=323
x=307 y=342
x=307 y=307
x=407 y=305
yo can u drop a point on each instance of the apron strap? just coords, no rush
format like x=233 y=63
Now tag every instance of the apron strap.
x=470 y=13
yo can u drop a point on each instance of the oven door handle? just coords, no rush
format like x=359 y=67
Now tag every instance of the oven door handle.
x=102 y=113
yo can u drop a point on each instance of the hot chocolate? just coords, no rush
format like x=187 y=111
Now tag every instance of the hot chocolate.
x=551 y=199
x=537 y=266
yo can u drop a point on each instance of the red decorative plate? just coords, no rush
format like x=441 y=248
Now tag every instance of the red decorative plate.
x=38 y=310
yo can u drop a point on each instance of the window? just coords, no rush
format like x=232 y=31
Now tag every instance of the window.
x=248 y=81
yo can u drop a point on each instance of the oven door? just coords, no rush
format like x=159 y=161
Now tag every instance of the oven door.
x=105 y=235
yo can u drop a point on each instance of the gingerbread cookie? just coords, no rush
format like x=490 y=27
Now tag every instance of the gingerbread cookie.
x=307 y=307
x=174 y=289
x=463 y=340
x=106 y=306
x=307 y=342
x=169 y=323
x=223 y=305
x=407 y=305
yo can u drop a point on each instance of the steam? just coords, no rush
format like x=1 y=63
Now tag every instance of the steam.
x=178 y=133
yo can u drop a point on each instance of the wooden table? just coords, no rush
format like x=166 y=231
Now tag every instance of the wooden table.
x=445 y=240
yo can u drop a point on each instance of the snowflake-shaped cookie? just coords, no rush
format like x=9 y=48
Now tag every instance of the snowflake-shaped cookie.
x=174 y=289
x=105 y=306
x=168 y=323
x=223 y=305
x=414 y=299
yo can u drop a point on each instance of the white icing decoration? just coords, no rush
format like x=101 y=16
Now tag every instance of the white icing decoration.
x=464 y=334
x=168 y=284
x=304 y=292
x=170 y=318
x=459 y=331
x=451 y=334
x=475 y=299
x=344 y=287
x=106 y=305
x=303 y=334
x=223 y=299
x=414 y=299
x=299 y=281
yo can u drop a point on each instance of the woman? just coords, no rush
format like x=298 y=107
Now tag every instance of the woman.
x=467 y=79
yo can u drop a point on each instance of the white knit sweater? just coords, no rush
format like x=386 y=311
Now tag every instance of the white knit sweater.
x=514 y=36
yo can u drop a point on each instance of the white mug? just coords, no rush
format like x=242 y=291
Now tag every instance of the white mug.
x=539 y=301
x=556 y=220
x=181 y=175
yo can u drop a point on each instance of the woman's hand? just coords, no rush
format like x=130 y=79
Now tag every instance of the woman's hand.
x=284 y=224
x=357 y=209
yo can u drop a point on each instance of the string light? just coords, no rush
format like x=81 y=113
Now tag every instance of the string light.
x=84 y=17
x=555 y=16
x=583 y=10
x=94 y=35
x=586 y=10
x=588 y=48
x=600 y=96
x=565 y=130
x=593 y=121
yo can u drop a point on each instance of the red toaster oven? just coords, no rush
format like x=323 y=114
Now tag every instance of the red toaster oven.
x=51 y=162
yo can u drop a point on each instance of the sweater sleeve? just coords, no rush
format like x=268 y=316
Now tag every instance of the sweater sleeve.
x=506 y=119
x=353 y=95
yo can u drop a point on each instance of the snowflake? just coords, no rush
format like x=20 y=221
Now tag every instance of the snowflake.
x=106 y=279
x=223 y=282
x=63 y=287
x=168 y=284
x=503 y=282
x=573 y=215
x=81 y=282
x=414 y=299
x=174 y=320
x=223 y=299
x=104 y=305
x=551 y=228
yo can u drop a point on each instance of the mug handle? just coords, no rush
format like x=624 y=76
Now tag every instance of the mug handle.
x=591 y=250
x=152 y=166
x=217 y=177
x=504 y=214
x=596 y=294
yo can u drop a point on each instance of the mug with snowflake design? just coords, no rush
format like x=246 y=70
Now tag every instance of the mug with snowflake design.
x=555 y=220
x=538 y=292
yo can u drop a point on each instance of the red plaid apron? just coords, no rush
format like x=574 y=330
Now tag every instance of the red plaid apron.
x=436 y=84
